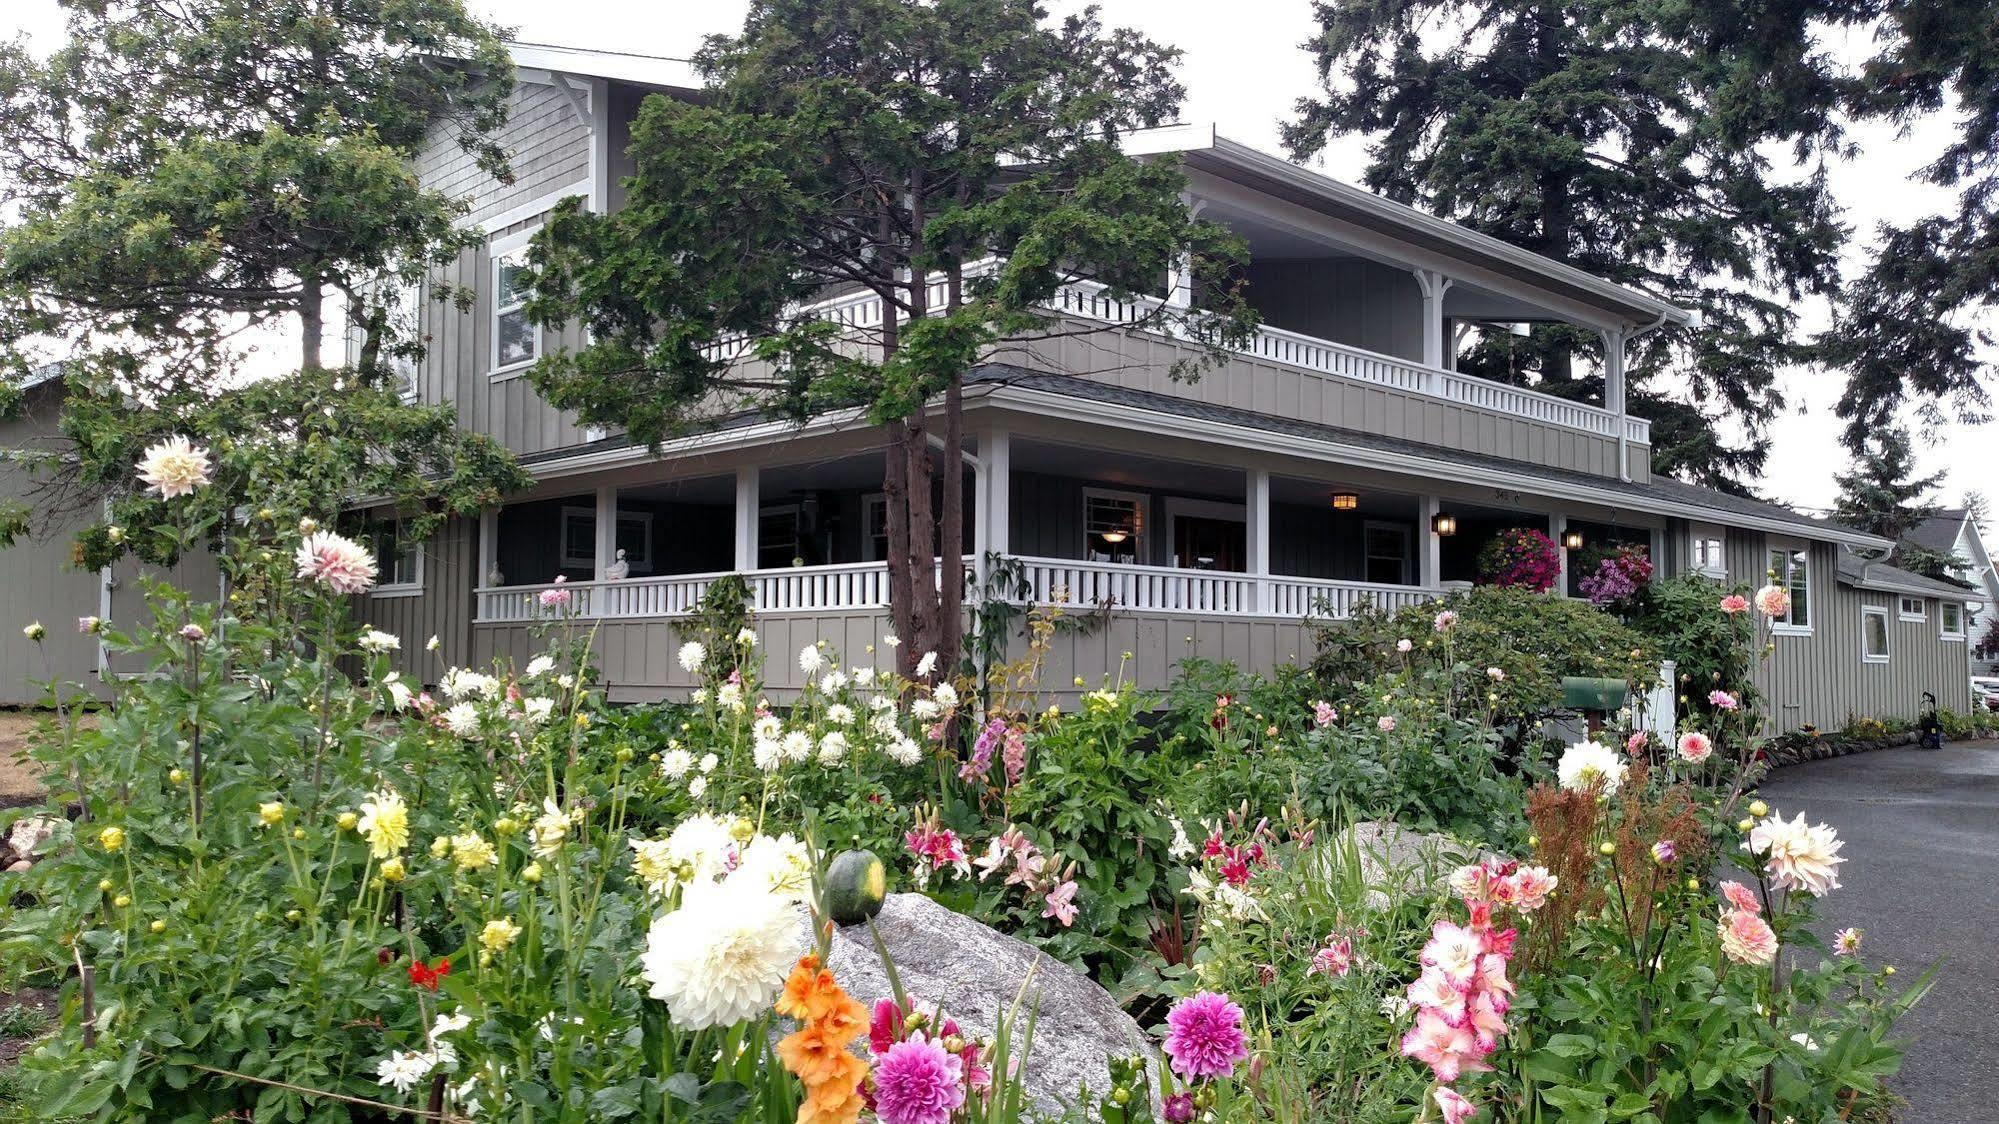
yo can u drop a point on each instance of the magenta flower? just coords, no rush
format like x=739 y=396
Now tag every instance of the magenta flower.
x=1179 y=1108
x=917 y=1081
x=1722 y=700
x=1664 y=852
x=1204 y=1036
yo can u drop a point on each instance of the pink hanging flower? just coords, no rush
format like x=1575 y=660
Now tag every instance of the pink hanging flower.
x=336 y=562
x=917 y=1081
x=1204 y=1036
x=1455 y=1108
x=1695 y=747
x=1061 y=903
x=1734 y=603
x=1746 y=938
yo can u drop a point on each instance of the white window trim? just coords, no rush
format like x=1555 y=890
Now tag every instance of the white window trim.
x=1698 y=533
x=1887 y=634
x=413 y=588
x=1922 y=612
x=1944 y=632
x=1144 y=503
x=497 y=251
x=1785 y=628
x=564 y=558
x=1408 y=537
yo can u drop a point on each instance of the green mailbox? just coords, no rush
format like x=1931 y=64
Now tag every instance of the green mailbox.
x=1582 y=692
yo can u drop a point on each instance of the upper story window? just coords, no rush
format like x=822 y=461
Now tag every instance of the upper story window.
x=1913 y=608
x=1709 y=557
x=1874 y=633
x=398 y=559
x=516 y=340
x=403 y=301
x=1791 y=568
x=1950 y=619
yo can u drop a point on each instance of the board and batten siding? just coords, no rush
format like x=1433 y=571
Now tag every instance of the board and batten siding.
x=1348 y=300
x=1820 y=679
x=547 y=149
x=1145 y=361
x=443 y=609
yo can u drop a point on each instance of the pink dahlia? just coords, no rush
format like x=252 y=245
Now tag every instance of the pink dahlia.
x=1532 y=885
x=1734 y=603
x=1746 y=938
x=1773 y=601
x=555 y=597
x=1741 y=897
x=1722 y=700
x=1204 y=1036
x=336 y=562
x=917 y=1081
x=1179 y=1108
x=1444 y=621
x=1385 y=723
x=1636 y=743
x=1695 y=747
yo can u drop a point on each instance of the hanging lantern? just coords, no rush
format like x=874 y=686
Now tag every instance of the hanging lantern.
x=1345 y=501
x=1444 y=523
x=1572 y=540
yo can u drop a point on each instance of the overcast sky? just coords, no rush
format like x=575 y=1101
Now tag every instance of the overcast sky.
x=1244 y=70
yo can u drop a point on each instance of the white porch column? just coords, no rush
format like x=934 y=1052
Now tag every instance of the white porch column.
x=607 y=528
x=1558 y=525
x=1180 y=274
x=994 y=477
x=1256 y=530
x=489 y=539
x=1434 y=285
x=1429 y=558
x=749 y=498
x=1613 y=394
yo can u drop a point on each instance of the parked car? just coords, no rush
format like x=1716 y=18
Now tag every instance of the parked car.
x=1985 y=691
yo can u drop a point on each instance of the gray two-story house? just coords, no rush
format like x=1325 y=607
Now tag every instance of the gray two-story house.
x=1336 y=458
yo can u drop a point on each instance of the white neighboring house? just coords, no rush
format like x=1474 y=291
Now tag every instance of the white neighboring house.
x=1955 y=531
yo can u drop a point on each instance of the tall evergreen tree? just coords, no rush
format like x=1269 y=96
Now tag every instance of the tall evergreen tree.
x=1881 y=493
x=1629 y=141
x=179 y=172
x=882 y=147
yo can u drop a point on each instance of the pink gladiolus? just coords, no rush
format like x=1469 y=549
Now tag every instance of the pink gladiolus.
x=1734 y=603
x=1448 y=1050
x=1455 y=1108
x=1746 y=938
x=1204 y=1036
x=1695 y=747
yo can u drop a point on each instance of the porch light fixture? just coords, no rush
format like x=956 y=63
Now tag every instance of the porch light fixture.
x=1114 y=537
x=1345 y=501
x=1444 y=523
x=1572 y=540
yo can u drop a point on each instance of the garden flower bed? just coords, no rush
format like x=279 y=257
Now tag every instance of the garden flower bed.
x=287 y=882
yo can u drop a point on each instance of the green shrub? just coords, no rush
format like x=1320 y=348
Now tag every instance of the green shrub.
x=1710 y=650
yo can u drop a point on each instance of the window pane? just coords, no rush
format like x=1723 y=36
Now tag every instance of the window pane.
x=516 y=338
x=579 y=539
x=511 y=291
x=1876 y=632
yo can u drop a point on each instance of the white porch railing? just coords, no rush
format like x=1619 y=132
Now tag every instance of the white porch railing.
x=864 y=585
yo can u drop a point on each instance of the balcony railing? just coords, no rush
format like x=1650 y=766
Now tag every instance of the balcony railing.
x=1091 y=301
x=1118 y=587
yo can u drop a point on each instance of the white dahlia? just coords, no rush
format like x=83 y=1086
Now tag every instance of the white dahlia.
x=174 y=467
x=693 y=656
x=721 y=958
x=779 y=865
x=1798 y=855
x=1588 y=765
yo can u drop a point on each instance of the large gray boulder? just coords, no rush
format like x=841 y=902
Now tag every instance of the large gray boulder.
x=1392 y=858
x=975 y=973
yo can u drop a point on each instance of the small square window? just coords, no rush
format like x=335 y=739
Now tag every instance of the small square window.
x=1874 y=633
x=1709 y=557
x=1913 y=608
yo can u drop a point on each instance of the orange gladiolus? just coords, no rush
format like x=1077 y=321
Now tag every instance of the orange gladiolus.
x=816 y=1053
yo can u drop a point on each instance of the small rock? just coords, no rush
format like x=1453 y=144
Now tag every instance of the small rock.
x=28 y=833
x=18 y=865
x=976 y=973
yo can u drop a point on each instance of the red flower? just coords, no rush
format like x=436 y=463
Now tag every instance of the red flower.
x=427 y=976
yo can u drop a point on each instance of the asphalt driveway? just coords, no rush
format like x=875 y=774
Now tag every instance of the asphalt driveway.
x=1922 y=835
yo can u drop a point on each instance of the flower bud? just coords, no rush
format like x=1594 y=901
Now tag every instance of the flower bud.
x=1607 y=848
x=104 y=885
x=122 y=900
x=158 y=926
x=1758 y=808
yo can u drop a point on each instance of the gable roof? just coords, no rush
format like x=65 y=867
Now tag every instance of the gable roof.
x=1939 y=532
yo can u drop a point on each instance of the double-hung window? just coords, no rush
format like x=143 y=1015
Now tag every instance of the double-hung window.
x=1709 y=557
x=516 y=340
x=1874 y=633
x=1791 y=569
x=398 y=559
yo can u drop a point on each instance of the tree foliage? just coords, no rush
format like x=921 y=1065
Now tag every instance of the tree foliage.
x=956 y=161
x=1631 y=141
x=177 y=173
x=1881 y=493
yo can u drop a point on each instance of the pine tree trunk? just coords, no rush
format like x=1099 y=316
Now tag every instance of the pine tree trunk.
x=922 y=540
